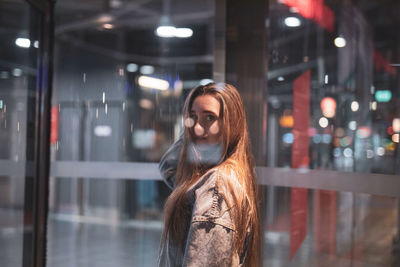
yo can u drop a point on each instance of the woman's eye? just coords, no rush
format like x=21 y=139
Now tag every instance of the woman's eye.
x=210 y=118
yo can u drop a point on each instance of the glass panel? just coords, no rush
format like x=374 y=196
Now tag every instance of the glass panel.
x=341 y=82
x=103 y=111
x=19 y=35
x=341 y=229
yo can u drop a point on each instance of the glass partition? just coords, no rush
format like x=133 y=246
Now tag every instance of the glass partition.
x=320 y=84
x=20 y=91
x=120 y=79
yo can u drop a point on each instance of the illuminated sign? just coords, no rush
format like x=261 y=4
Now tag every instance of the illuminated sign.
x=383 y=95
x=315 y=10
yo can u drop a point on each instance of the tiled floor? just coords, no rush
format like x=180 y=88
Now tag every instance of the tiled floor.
x=75 y=241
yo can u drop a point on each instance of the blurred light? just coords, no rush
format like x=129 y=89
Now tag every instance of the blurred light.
x=363 y=132
x=165 y=31
x=106 y=109
x=286 y=121
x=288 y=138
x=183 y=32
x=395 y=138
x=383 y=95
x=36 y=44
x=17 y=72
x=147 y=69
x=292 y=22
x=340 y=42
x=189 y=122
x=146 y=104
x=373 y=105
x=386 y=142
x=205 y=81
x=4 y=74
x=339 y=132
x=104 y=18
x=23 y=42
x=102 y=130
x=328 y=107
x=132 y=67
x=396 y=125
x=348 y=152
x=104 y=97
x=178 y=85
x=326 y=138
x=354 y=106
x=108 y=26
x=323 y=122
x=280 y=79
x=345 y=141
x=143 y=138
x=317 y=138
x=370 y=154
x=326 y=78
x=168 y=31
x=372 y=89
x=380 y=151
x=115 y=3
x=150 y=82
x=353 y=125
x=336 y=152
x=312 y=131
x=1 y=103
x=390 y=130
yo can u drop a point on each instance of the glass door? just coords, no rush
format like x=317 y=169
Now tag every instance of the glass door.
x=24 y=77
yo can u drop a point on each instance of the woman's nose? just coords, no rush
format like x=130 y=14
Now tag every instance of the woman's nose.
x=198 y=130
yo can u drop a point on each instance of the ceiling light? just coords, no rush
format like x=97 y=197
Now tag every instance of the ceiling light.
x=340 y=42
x=166 y=31
x=17 y=72
x=281 y=79
x=132 y=67
x=108 y=26
x=153 y=83
x=36 y=44
x=23 y=42
x=183 y=32
x=147 y=69
x=292 y=22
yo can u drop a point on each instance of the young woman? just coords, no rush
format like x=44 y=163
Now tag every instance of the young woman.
x=211 y=218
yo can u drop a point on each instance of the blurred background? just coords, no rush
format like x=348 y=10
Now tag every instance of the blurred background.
x=320 y=82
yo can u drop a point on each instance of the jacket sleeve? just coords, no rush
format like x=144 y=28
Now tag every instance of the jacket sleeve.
x=169 y=162
x=210 y=240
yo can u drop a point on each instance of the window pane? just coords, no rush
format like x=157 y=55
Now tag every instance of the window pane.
x=345 y=107
x=119 y=87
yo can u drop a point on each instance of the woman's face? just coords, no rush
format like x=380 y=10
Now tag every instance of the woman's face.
x=204 y=118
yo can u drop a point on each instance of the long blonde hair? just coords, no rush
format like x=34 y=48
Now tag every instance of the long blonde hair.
x=236 y=158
